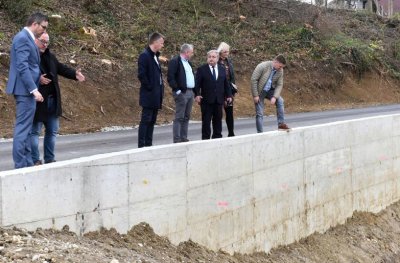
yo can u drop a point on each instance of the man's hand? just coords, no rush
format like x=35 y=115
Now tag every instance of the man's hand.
x=256 y=99
x=229 y=100
x=79 y=76
x=43 y=80
x=273 y=100
x=38 y=96
x=198 y=99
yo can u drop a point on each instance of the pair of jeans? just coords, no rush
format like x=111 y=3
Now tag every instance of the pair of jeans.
x=51 y=125
x=280 y=109
x=184 y=103
x=146 y=127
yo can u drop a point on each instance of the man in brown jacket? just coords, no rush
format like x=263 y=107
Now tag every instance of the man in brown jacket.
x=267 y=83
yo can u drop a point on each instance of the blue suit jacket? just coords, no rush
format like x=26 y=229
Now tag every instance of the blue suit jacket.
x=24 y=66
x=212 y=91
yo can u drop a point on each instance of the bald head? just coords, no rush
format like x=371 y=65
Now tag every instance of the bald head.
x=42 y=42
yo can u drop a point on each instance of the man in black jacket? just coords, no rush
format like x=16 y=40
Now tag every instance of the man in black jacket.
x=212 y=87
x=151 y=88
x=181 y=80
x=48 y=112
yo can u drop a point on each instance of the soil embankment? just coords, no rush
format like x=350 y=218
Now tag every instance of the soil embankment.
x=364 y=238
x=337 y=58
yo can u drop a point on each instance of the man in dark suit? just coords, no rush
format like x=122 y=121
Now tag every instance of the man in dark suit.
x=212 y=87
x=23 y=82
x=151 y=88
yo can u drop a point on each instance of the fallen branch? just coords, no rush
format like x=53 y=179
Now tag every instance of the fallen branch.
x=65 y=117
x=212 y=13
x=348 y=63
x=140 y=3
x=169 y=108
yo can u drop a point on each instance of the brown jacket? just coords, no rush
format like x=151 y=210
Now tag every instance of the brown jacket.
x=260 y=77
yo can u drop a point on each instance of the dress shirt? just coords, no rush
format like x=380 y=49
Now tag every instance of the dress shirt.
x=189 y=73
x=268 y=85
x=30 y=33
x=216 y=70
x=155 y=58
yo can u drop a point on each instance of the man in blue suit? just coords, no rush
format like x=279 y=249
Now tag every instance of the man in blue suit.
x=211 y=89
x=23 y=83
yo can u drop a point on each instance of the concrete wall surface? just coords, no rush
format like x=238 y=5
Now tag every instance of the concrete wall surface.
x=247 y=193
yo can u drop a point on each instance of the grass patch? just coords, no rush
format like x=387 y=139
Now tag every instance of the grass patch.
x=359 y=53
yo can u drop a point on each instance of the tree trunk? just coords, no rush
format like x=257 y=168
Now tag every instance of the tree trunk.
x=390 y=8
x=369 y=5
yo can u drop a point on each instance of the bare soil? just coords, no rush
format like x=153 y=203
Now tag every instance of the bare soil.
x=109 y=97
x=313 y=82
x=364 y=238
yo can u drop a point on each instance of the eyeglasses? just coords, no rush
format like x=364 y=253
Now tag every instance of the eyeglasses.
x=44 y=27
x=44 y=42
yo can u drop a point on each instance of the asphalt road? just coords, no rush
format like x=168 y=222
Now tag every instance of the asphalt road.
x=74 y=146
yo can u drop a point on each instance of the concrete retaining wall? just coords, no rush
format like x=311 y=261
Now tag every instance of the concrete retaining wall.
x=245 y=194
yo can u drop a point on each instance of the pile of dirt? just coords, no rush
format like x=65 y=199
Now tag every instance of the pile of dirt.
x=364 y=238
x=327 y=67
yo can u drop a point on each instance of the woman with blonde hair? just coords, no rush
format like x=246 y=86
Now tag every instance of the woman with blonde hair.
x=225 y=61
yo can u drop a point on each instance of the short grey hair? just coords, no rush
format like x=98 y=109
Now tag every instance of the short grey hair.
x=213 y=51
x=186 y=47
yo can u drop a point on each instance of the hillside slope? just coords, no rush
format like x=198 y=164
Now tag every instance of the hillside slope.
x=336 y=58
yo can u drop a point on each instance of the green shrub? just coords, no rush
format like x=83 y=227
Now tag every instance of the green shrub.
x=359 y=52
x=18 y=10
x=396 y=16
x=396 y=49
x=305 y=35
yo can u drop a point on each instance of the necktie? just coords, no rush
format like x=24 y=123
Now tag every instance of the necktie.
x=214 y=75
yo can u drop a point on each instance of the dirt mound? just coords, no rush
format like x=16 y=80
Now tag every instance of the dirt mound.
x=364 y=238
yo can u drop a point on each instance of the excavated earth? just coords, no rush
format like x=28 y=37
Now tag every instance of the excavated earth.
x=364 y=238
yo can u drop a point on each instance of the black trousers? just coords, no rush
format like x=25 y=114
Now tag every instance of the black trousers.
x=211 y=113
x=146 y=127
x=229 y=119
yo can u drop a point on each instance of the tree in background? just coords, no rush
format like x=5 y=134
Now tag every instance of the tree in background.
x=321 y=3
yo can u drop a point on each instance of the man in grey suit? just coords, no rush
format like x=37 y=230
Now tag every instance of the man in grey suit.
x=23 y=83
